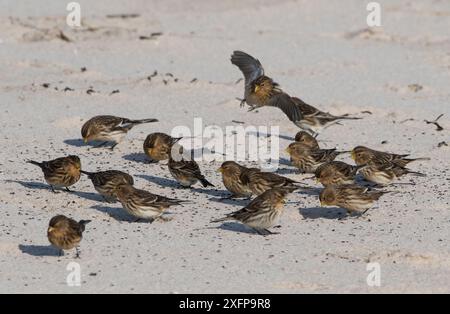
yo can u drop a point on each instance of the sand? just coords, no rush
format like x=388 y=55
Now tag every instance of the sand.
x=320 y=51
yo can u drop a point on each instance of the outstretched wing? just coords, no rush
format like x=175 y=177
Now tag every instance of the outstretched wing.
x=249 y=66
x=287 y=105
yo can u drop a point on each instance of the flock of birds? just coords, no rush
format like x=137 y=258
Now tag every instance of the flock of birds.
x=270 y=189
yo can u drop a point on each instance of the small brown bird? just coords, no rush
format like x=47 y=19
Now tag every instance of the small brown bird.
x=363 y=155
x=109 y=129
x=307 y=160
x=385 y=174
x=336 y=173
x=263 y=212
x=259 y=181
x=61 y=172
x=306 y=139
x=106 y=182
x=142 y=204
x=261 y=90
x=231 y=176
x=65 y=233
x=186 y=170
x=353 y=198
x=157 y=146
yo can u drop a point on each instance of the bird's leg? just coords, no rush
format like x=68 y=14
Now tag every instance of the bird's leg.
x=252 y=108
x=101 y=145
x=268 y=232
x=164 y=219
x=242 y=102
x=67 y=189
x=53 y=189
x=77 y=255
x=114 y=145
x=61 y=253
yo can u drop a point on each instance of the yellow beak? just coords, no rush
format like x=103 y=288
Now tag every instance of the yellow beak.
x=220 y=169
x=50 y=229
x=85 y=140
x=257 y=88
x=353 y=155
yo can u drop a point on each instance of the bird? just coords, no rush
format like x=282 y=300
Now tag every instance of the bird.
x=261 y=213
x=363 y=155
x=336 y=173
x=385 y=173
x=259 y=181
x=261 y=90
x=143 y=204
x=157 y=146
x=109 y=129
x=66 y=233
x=307 y=160
x=231 y=177
x=60 y=172
x=106 y=182
x=186 y=170
x=354 y=198
x=306 y=139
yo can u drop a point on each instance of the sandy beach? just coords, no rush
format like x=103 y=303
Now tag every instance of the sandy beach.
x=170 y=60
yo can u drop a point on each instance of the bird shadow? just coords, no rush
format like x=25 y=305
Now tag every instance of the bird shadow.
x=224 y=199
x=211 y=192
x=77 y=142
x=323 y=212
x=139 y=158
x=89 y=196
x=39 y=250
x=160 y=181
x=114 y=212
x=31 y=184
x=236 y=227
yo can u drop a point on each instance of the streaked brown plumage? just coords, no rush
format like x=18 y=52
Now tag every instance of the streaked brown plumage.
x=109 y=129
x=186 y=170
x=307 y=160
x=353 y=198
x=259 y=181
x=336 y=173
x=65 y=233
x=231 y=176
x=364 y=155
x=386 y=173
x=60 y=172
x=261 y=90
x=263 y=212
x=157 y=146
x=142 y=204
x=306 y=139
x=106 y=182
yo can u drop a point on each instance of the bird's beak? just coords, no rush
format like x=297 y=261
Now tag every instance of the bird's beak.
x=50 y=229
x=353 y=155
x=288 y=150
x=317 y=180
x=85 y=140
x=220 y=169
x=257 y=88
x=322 y=203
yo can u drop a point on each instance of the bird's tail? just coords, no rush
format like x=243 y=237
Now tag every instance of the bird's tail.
x=87 y=173
x=143 y=121
x=417 y=159
x=348 y=117
x=83 y=224
x=39 y=164
x=205 y=182
x=415 y=173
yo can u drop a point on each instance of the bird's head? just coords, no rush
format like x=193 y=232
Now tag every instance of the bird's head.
x=328 y=196
x=306 y=139
x=361 y=155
